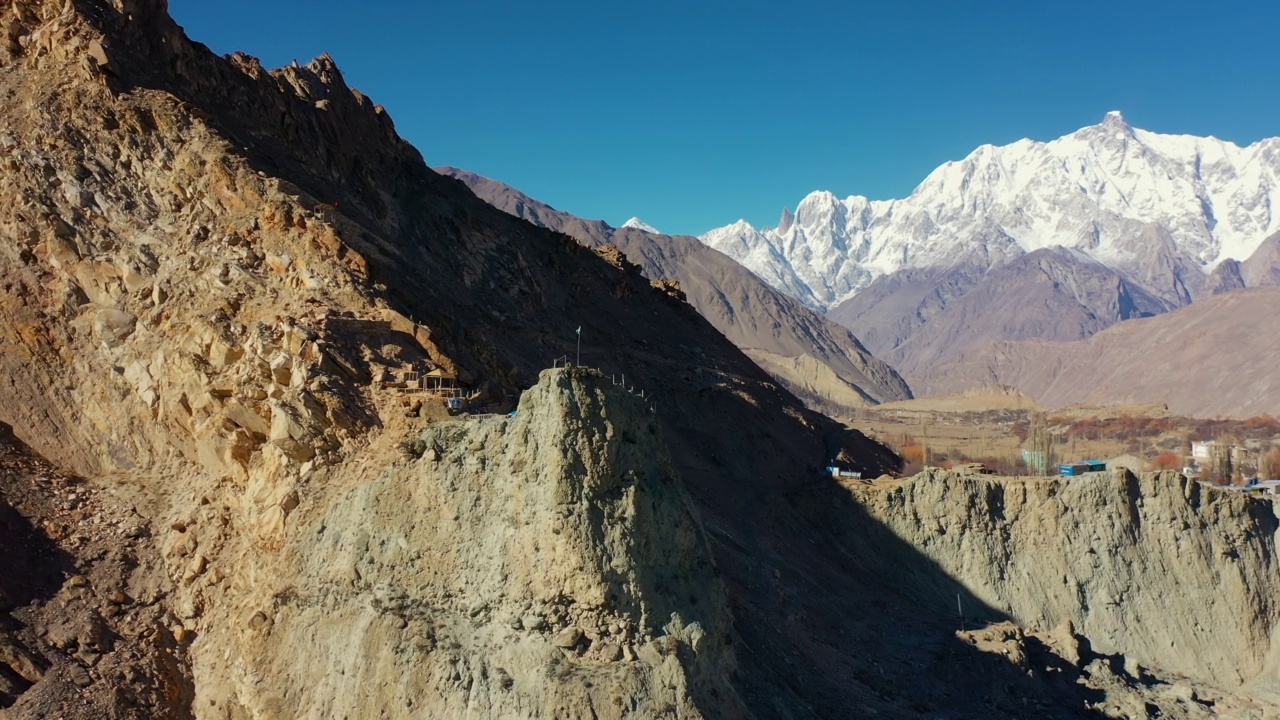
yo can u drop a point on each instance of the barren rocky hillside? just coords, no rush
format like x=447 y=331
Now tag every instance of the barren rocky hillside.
x=1174 y=575
x=921 y=319
x=1208 y=359
x=1262 y=268
x=206 y=265
x=818 y=360
x=205 y=269
x=1017 y=542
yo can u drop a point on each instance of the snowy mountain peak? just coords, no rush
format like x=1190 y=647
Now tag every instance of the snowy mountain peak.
x=1105 y=135
x=639 y=224
x=1108 y=190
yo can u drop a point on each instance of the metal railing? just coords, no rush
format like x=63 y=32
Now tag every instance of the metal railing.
x=618 y=380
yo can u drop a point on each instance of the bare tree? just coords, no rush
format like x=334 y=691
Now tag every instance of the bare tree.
x=927 y=457
x=1268 y=466
x=1040 y=455
x=1220 y=469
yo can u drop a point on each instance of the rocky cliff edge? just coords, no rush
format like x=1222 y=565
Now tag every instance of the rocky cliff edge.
x=1170 y=572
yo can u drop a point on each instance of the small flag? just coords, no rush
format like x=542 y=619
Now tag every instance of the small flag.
x=579 y=329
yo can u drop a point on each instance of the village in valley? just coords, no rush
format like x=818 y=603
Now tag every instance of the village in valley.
x=1018 y=439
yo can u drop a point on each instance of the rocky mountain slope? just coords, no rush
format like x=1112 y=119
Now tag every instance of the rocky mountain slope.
x=1205 y=360
x=1111 y=191
x=821 y=362
x=206 y=268
x=207 y=264
x=1016 y=546
x=1262 y=268
x=921 y=319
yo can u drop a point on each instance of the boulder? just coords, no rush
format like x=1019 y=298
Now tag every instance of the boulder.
x=21 y=661
x=98 y=55
x=568 y=638
x=609 y=652
x=114 y=326
x=1063 y=641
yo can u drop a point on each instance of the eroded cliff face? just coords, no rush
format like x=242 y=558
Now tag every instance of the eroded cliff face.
x=541 y=565
x=1174 y=574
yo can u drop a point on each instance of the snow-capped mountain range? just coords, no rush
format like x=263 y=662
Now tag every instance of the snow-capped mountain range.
x=1115 y=193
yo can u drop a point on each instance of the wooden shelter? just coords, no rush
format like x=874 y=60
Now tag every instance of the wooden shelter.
x=441 y=381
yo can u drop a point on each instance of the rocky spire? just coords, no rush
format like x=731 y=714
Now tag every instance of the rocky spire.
x=784 y=224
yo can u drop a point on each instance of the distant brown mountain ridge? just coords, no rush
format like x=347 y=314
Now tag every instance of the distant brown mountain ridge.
x=1212 y=358
x=921 y=319
x=820 y=361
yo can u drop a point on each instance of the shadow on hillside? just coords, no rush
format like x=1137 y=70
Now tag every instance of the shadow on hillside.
x=32 y=566
x=853 y=611
x=834 y=612
x=31 y=570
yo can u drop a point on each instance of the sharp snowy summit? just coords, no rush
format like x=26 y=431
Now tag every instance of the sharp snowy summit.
x=639 y=224
x=1125 y=197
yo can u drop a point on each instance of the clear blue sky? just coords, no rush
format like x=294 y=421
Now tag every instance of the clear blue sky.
x=694 y=114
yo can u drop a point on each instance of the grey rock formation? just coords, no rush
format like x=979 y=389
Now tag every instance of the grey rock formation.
x=1106 y=552
x=501 y=579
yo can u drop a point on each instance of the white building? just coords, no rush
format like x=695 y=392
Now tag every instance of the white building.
x=1202 y=451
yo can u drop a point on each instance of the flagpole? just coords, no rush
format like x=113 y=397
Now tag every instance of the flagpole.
x=578 y=359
